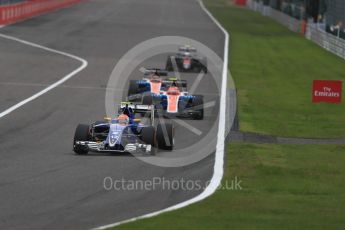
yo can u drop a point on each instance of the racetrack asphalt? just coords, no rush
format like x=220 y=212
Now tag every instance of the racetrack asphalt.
x=43 y=185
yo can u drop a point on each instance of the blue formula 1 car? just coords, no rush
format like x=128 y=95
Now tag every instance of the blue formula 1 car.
x=125 y=133
x=174 y=103
x=153 y=82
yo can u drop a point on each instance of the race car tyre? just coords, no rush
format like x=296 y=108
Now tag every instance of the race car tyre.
x=197 y=68
x=199 y=103
x=165 y=136
x=133 y=87
x=147 y=99
x=81 y=134
x=148 y=137
x=169 y=66
x=204 y=65
x=100 y=122
x=184 y=84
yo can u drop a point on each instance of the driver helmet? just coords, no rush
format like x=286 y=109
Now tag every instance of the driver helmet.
x=123 y=119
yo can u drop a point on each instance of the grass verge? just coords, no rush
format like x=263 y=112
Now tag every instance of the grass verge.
x=283 y=187
x=273 y=69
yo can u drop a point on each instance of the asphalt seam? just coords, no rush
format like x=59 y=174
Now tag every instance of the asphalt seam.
x=248 y=137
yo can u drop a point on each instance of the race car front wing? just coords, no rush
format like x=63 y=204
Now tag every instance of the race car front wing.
x=101 y=147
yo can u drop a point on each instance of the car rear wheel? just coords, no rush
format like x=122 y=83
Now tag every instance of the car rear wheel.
x=81 y=134
x=133 y=87
x=204 y=65
x=165 y=136
x=169 y=66
x=147 y=99
x=198 y=105
x=148 y=137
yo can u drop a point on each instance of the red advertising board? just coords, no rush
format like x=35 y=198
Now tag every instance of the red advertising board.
x=241 y=2
x=11 y=13
x=329 y=91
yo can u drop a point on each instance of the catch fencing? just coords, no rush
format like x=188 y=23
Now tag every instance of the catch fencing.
x=284 y=19
x=311 y=30
x=326 y=40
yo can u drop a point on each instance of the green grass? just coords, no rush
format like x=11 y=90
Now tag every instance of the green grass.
x=283 y=187
x=273 y=69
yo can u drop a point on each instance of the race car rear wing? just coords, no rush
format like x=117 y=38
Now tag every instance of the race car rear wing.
x=159 y=72
x=135 y=108
x=174 y=82
x=187 y=49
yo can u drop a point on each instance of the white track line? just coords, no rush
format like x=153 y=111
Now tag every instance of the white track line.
x=60 y=86
x=50 y=87
x=219 y=155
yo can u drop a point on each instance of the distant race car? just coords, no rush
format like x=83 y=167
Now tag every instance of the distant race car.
x=186 y=60
x=154 y=82
x=175 y=103
x=125 y=133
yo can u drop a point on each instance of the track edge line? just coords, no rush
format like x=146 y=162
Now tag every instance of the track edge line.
x=83 y=65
